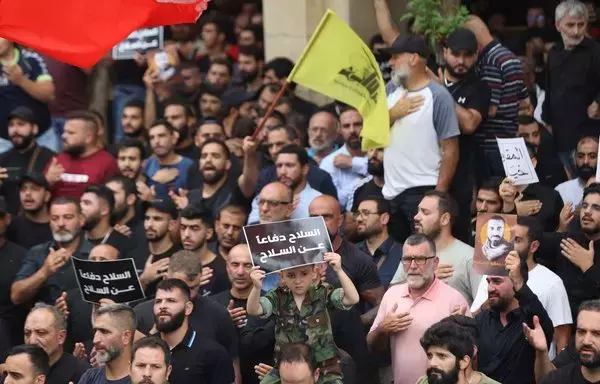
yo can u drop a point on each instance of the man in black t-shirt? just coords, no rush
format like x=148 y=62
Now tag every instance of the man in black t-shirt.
x=196 y=227
x=32 y=226
x=583 y=370
x=208 y=318
x=46 y=327
x=25 y=156
x=256 y=336
x=219 y=189
x=472 y=97
x=194 y=359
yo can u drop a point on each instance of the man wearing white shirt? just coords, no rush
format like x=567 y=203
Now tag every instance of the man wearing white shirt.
x=291 y=165
x=547 y=286
x=586 y=161
x=348 y=164
x=423 y=150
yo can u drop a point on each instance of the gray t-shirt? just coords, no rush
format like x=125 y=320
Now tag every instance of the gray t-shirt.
x=98 y=376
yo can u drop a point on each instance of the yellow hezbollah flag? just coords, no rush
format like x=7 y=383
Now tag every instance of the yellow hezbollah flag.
x=337 y=63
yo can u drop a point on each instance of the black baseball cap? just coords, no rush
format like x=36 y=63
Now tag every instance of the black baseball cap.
x=36 y=178
x=23 y=113
x=462 y=39
x=164 y=205
x=408 y=43
x=236 y=97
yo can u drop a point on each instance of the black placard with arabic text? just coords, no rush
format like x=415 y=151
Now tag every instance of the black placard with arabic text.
x=288 y=244
x=115 y=279
x=141 y=40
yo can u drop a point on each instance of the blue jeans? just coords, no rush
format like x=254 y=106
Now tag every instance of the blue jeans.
x=48 y=139
x=122 y=94
x=58 y=125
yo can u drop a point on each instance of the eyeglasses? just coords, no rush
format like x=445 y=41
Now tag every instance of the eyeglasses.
x=364 y=214
x=272 y=203
x=419 y=260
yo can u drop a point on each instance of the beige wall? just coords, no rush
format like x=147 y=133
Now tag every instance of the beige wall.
x=289 y=24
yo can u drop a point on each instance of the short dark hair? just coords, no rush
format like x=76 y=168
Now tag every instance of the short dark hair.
x=135 y=103
x=418 y=239
x=531 y=150
x=450 y=336
x=468 y=323
x=210 y=121
x=164 y=123
x=446 y=203
x=132 y=143
x=64 y=200
x=126 y=183
x=526 y=120
x=294 y=149
x=90 y=119
x=152 y=342
x=292 y=133
x=244 y=126
x=171 y=284
x=297 y=353
x=37 y=357
x=234 y=209
x=253 y=51
x=223 y=62
x=383 y=205
x=275 y=114
x=219 y=143
x=592 y=189
x=103 y=193
x=492 y=185
x=210 y=90
x=281 y=66
x=590 y=305
x=534 y=228
x=193 y=213
x=177 y=101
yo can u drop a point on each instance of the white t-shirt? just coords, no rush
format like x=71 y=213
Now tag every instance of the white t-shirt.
x=549 y=289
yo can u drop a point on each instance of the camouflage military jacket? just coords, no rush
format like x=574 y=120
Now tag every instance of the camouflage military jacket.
x=309 y=325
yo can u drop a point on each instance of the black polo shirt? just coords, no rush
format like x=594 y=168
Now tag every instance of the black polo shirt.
x=387 y=258
x=504 y=354
x=570 y=374
x=208 y=318
x=358 y=266
x=200 y=360
x=68 y=369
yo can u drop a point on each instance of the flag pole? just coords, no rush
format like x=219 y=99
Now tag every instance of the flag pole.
x=278 y=96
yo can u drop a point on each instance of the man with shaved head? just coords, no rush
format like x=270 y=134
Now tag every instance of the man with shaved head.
x=275 y=203
x=357 y=264
x=104 y=252
x=256 y=335
x=47 y=328
x=322 y=132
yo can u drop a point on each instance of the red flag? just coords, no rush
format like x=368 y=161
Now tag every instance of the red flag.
x=81 y=32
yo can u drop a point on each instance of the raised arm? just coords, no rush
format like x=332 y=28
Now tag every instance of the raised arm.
x=388 y=29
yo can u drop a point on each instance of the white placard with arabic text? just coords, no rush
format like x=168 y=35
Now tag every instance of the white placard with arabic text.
x=516 y=161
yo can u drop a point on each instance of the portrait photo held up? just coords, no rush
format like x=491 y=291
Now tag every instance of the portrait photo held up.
x=494 y=239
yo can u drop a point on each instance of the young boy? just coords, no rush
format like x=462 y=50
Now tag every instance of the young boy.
x=300 y=310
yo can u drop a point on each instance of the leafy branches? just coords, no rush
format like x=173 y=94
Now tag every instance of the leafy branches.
x=435 y=19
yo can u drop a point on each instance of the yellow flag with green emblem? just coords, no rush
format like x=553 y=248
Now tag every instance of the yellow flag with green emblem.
x=337 y=63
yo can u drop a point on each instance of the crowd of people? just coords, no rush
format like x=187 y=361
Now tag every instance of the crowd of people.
x=171 y=169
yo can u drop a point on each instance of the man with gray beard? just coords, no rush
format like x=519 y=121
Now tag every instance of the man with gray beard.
x=423 y=152
x=114 y=332
x=46 y=271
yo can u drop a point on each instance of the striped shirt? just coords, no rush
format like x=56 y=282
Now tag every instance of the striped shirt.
x=502 y=71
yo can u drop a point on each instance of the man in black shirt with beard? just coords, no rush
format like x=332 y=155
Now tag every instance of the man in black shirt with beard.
x=25 y=156
x=472 y=98
x=32 y=227
x=219 y=189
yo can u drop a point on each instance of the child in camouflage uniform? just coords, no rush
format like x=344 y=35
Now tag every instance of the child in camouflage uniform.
x=301 y=312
